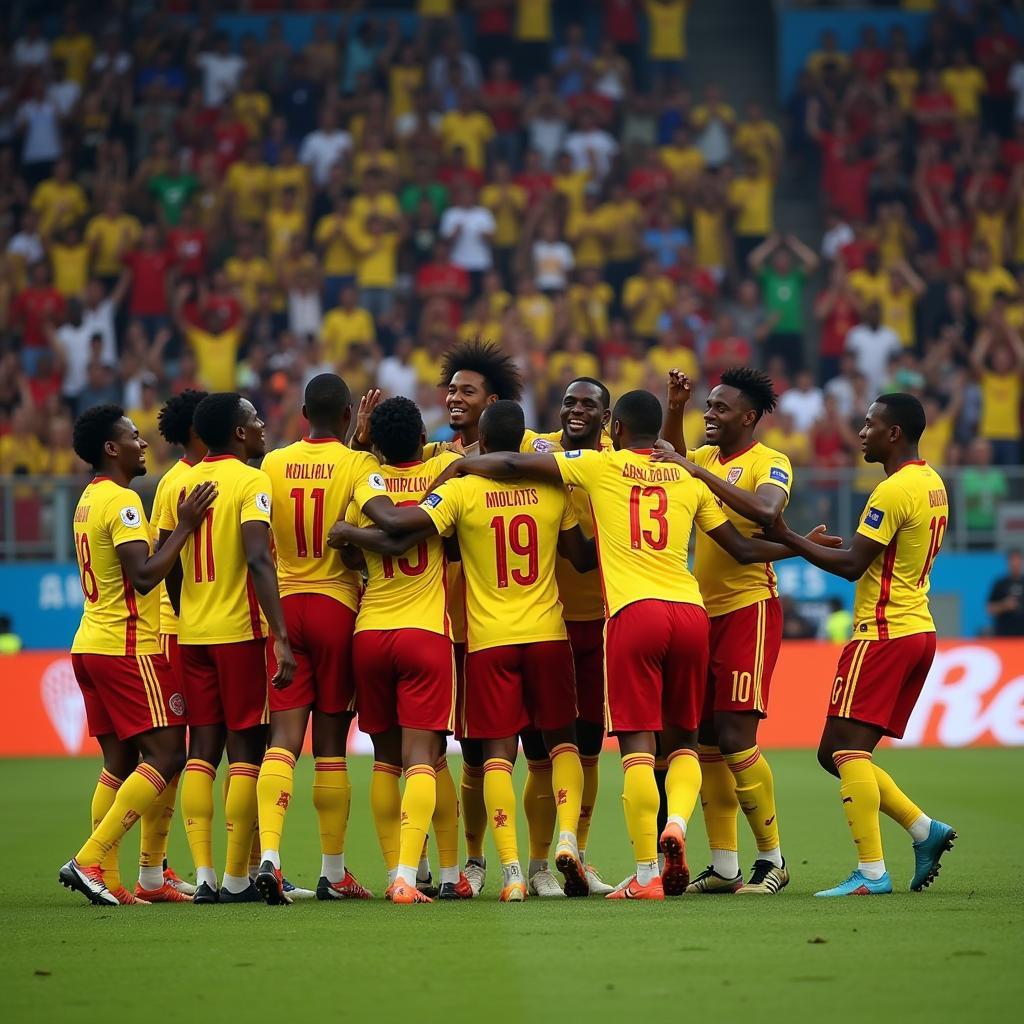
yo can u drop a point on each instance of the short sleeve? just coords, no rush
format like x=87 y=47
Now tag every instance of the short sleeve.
x=701 y=456
x=775 y=470
x=255 y=503
x=885 y=512
x=443 y=506
x=367 y=481
x=569 y=519
x=578 y=467
x=124 y=520
x=352 y=514
x=709 y=514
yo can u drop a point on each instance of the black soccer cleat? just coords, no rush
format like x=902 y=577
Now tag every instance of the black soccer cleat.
x=248 y=895
x=88 y=881
x=205 y=893
x=269 y=883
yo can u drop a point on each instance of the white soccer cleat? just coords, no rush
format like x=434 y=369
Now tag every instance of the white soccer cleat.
x=476 y=872
x=544 y=884
x=598 y=886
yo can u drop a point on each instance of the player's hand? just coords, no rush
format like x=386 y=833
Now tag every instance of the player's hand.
x=664 y=446
x=826 y=540
x=285 y=665
x=192 y=509
x=450 y=471
x=680 y=389
x=671 y=455
x=341 y=535
x=367 y=404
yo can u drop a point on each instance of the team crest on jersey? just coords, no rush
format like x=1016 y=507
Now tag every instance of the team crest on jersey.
x=376 y=481
x=574 y=454
x=432 y=500
x=131 y=516
x=734 y=474
x=541 y=444
x=874 y=517
x=778 y=475
x=263 y=502
x=176 y=703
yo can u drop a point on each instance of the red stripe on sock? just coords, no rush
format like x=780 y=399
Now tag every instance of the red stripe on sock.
x=564 y=748
x=682 y=752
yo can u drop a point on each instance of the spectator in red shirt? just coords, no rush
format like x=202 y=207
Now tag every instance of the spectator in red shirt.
x=621 y=24
x=457 y=172
x=33 y=308
x=725 y=348
x=995 y=51
x=847 y=185
x=869 y=58
x=188 y=244
x=150 y=266
x=230 y=137
x=649 y=180
x=493 y=29
x=533 y=178
x=934 y=110
x=441 y=279
x=502 y=98
x=836 y=311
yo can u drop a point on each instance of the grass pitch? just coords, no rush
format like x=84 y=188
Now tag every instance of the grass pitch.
x=953 y=951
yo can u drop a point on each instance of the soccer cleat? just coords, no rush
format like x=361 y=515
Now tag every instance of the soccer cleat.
x=427 y=887
x=928 y=852
x=544 y=884
x=347 y=889
x=401 y=893
x=765 y=879
x=205 y=893
x=675 y=875
x=858 y=885
x=568 y=862
x=476 y=871
x=172 y=879
x=165 y=894
x=250 y=894
x=88 y=881
x=515 y=892
x=269 y=883
x=633 y=890
x=710 y=883
x=598 y=886
x=460 y=890
x=296 y=892
x=127 y=898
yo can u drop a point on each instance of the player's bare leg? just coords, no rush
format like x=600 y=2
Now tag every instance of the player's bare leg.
x=682 y=787
x=205 y=750
x=500 y=800
x=567 y=789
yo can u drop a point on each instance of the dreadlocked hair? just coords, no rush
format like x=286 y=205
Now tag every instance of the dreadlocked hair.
x=755 y=386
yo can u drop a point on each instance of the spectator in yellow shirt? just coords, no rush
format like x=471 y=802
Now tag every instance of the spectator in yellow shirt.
x=623 y=221
x=247 y=186
x=338 y=257
x=569 y=182
x=761 y=138
x=646 y=297
x=215 y=344
x=751 y=198
x=829 y=58
x=572 y=357
x=903 y=79
x=586 y=231
x=248 y=272
x=984 y=279
x=535 y=309
x=683 y=160
x=347 y=326
x=59 y=200
x=590 y=302
x=376 y=248
x=69 y=261
x=666 y=37
x=283 y=223
x=533 y=34
x=75 y=48
x=998 y=363
x=966 y=84
x=507 y=202
x=289 y=173
x=375 y=201
x=109 y=235
x=468 y=127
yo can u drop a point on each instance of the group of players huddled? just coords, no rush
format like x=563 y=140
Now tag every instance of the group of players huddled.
x=508 y=586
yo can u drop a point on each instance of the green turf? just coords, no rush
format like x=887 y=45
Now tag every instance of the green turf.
x=954 y=950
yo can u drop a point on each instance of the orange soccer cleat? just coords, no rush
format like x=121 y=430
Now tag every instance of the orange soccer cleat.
x=347 y=889
x=401 y=893
x=165 y=894
x=675 y=874
x=172 y=878
x=633 y=890
x=514 y=892
x=127 y=899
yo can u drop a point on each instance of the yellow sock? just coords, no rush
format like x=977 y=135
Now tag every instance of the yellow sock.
x=197 y=810
x=274 y=789
x=640 y=805
x=893 y=801
x=500 y=800
x=591 y=777
x=539 y=807
x=418 y=802
x=861 y=799
x=446 y=817
x=567 y=786
x=332 y=798
x=132 y=799
x=682 y=783
x=718 y=799
x=755 y=791
x=474 y=810
x=255 y=846
x=241 y=811
x=102 y=800
x=155 y=828
x=386 y=805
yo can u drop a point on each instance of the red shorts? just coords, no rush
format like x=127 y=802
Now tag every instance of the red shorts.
x=226 y=684
x=587 y=639
x=320 y=633
x=744 y=648
x=879 y=681
x=404 y=677
x=128 y=694
x=656 y=666
x=169 y=643
x=517 y=687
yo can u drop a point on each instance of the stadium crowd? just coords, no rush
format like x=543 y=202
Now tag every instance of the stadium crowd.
x=180 y=209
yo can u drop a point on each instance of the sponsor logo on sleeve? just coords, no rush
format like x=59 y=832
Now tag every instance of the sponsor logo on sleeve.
x=376 y=481
x=574 y=454
x=874 y=517
x=131 y=516
x=263 y=502
x=779 y=475
x=432 y=500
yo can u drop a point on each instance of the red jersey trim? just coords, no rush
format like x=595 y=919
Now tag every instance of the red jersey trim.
x=642 y=451
x=131 y=629
x=322 y=440
x=736 y=455
x=884 y=589
x=406 y=465
x=911 y=462
x=188 y=462
x=220 y=458
x=254 y=607
x=101 y=479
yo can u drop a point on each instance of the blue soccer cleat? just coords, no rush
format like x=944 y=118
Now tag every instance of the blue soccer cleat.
x=928 y=853
x=858 y=885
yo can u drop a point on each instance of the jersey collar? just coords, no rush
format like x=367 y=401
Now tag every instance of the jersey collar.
x=723 y=459
x=220 y=458
x=911 y=462
x=322 y=440
x=406 y=465
x=642 y=451
x=187 y=462
x=101 y=479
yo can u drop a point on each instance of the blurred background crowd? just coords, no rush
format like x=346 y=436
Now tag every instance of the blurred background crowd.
x=180 y=207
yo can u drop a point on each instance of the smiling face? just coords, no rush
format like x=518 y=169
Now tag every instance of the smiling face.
x=254 y=438
x=583 y=414
x=467 y=398
x=728 y=417
x=127 y=449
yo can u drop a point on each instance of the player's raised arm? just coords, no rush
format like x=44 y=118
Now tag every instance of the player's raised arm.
x=848 y=562
x=679 y=392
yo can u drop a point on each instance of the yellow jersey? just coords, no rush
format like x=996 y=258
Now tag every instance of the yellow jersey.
x=646 y=299
x=115 y=620
x=1000 y=406
x=983 y=285
x=58 y=206
x=644 y=513
x=281 y=226
x=472 y=131
x=248 y=276
x=725 y=584
x=249 y=188
x=907 y=513
x=508 y=534
x=70 y=265
x=294 y=176
x=109 y=237
x=216 y=356
x=168 y=491
x=580 y=593
x=343 y=328
x=590 y=308
x=666 y=29
x=218 y=602
x=339 y=256
x=409 y=592
x=753 y=198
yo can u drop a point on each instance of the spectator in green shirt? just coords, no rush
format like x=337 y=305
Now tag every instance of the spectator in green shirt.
x=983 y=486
x=423 y=186
x=783 y=264
x=172 y=193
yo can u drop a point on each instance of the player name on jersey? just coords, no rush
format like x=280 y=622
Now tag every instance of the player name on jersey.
x=651 y=474
x=307 y=471
x=512 y=499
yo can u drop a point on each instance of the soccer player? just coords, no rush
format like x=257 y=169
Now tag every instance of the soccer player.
x=312 y=483
x=881 y=671
x=133 y=702
x=519 y=670
x=656 y=638
x=745 y=618
x=405 y=670
x=584 y=416
x=226 y=589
